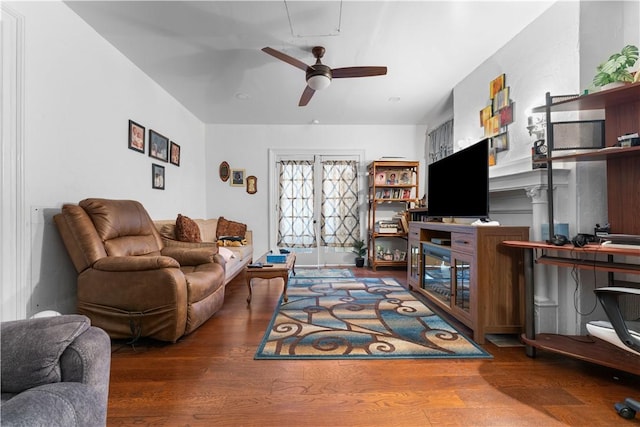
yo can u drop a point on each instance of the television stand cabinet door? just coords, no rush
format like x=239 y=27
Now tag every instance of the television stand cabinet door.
x=467 y=272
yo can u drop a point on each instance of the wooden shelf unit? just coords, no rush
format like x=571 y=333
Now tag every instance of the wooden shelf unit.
x=622 y=116
x=481 y=282
x=592 y=257
x=400 y=194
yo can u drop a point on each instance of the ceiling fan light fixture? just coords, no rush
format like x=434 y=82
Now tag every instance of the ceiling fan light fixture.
x=319 y=81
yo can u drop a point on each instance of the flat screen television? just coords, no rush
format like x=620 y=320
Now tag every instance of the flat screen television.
x=458 y=185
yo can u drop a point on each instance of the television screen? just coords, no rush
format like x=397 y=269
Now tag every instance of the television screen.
x=458 y=185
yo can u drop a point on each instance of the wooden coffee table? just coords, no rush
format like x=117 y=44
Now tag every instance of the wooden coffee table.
x=274 y=270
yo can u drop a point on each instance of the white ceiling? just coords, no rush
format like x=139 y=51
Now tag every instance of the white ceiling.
x=207 y=54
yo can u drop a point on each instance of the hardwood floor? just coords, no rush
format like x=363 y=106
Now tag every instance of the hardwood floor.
x=210 y=378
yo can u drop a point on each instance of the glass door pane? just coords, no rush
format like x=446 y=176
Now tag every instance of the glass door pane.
x=436 y=276
x=462 y=281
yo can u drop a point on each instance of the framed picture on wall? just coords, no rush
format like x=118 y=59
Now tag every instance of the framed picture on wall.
x=238 y=178
x=136 y=136
x=157 y=176
x=158 y=146
x=252 y=184
x=175 y=154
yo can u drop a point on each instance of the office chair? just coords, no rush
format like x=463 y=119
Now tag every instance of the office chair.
x=620 y=332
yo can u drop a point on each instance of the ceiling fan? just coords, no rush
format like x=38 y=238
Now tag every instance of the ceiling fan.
x=319 y=76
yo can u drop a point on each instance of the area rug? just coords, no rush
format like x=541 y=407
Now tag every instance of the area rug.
x=359 y=318
x=322 y=272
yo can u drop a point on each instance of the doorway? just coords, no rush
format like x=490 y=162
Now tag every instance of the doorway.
x=315 y=205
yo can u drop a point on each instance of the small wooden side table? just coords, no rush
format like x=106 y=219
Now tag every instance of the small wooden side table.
x=273 y=271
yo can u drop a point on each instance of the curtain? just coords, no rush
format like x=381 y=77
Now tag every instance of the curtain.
x=340 y=225
x=441 y=142
x=296 y=214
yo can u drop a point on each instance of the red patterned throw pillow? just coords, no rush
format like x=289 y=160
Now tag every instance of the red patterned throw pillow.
x=228 y=228
x=187 y=230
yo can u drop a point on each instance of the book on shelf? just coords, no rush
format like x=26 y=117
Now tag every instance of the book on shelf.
x=387 y=231
x=404 y=222
x=386 y=226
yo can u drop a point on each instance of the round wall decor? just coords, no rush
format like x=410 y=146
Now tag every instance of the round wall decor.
x=224 y=171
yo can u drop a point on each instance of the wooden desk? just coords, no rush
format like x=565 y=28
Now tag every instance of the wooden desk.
x=272 y=272
x=585 y=348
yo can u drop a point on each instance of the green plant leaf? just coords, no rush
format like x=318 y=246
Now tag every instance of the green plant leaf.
x=601 y=79
x=615 y=63
x=631 y=53
x=615 y=69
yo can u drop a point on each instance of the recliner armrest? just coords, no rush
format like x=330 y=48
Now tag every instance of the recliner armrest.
x=135 y=263
x=190 y=256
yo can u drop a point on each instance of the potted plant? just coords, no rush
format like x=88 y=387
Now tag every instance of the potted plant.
x=616 y=69
x=360 y=249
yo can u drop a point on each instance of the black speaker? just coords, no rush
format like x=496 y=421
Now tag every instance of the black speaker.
x=582 y=239
x=558 y=240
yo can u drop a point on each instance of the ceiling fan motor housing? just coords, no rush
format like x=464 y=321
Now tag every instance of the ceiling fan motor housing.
x=318 y=76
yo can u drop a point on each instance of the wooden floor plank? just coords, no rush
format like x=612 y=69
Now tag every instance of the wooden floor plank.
x=210 y=378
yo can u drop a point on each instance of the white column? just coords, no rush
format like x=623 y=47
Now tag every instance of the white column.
x=545 y=286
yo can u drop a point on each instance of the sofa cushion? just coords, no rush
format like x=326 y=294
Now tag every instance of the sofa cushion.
x=208 y=229
x=167 y=231
x=241 y=252
x=230 y=228
x=187 y=230
x=30 y=355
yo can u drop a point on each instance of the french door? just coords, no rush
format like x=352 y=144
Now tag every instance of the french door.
x=315 y=207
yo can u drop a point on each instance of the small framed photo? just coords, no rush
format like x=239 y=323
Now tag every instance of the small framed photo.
x=237 y=178
x=392 y=177
x=136 y=136
x=252 y=184
x=157 y=176
x=174 y=156
x=158 y=146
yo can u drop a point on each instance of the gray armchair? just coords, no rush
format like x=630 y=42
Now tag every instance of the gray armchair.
x=55 y=372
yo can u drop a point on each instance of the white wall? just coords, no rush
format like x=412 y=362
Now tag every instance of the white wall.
x=246 y=147
x=79 y=94
x=542 y=58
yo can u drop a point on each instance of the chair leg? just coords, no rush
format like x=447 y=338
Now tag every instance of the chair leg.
x=628 y=409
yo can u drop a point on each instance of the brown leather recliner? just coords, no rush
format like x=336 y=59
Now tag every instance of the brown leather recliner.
x=129 y=284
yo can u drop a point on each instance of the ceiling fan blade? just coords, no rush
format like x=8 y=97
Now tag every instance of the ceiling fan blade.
x=306 y=96
x=341 y=73
x=286 y=58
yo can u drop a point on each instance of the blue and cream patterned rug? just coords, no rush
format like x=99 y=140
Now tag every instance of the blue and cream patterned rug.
x=322 y=273
x=359 y=318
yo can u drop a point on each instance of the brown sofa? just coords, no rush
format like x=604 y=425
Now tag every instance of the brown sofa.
x=129 y=283
x=237 y=254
